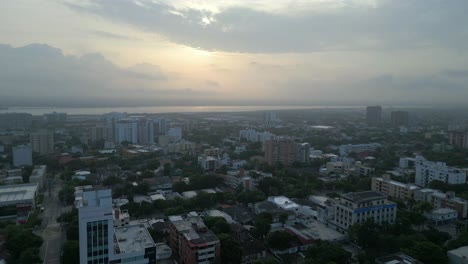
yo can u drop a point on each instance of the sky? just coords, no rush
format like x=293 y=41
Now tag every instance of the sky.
x=233 y=52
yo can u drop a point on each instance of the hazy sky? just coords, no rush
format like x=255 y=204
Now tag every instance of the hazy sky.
x=101 y=52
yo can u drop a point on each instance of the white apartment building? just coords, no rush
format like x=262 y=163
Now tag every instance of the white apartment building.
x=357 y=207
x=428 y=171
x=252 y=135
x=126 y=130
x=406 y=163
x=42 y=142
x=22 y=156
x=359 y=148
x=100 y=242
x=38 y=175
x=393 y=188
x=303 y=152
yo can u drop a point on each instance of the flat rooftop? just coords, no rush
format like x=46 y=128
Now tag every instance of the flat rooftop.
x=12 y=194
x=363 y=196
x=195 y=230
x=133 y=238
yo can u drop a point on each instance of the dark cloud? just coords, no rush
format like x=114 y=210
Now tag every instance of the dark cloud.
x=390 y=25
x=45 y=73
x=110 y=35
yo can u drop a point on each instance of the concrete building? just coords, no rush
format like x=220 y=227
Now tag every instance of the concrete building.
x=15 y=121
x=22 y=156
x=42 y=142
x=252 y=135
x=55 y=117
x=192 y=242
x=428 y=171
x=146 y=131
x=17 y=201
x=270 y=117
x=38 y=176
x=406 y=163
x=126 y=130
x=399 y=118
x=9 y=177
x=161 y=125
x=359 y=148
x=100 y=242
x=303 y=152
x=439 y=199
x=443 y=216
x=392 y=188
x=397 y=258
x=357 y=207
x=374 y=115
x=175 y=132
x=458 y=138
x=102 y=132
x=458 y=256
x=208 y=163
x=281 y=150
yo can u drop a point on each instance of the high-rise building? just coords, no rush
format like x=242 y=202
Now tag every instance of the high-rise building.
x=55 y=117
x=126 y=130
x=146 y=131
x=458 y=139
x=15 y=121
x=42 y=142
x=428 y=171
x=270 y=117
x=281 y=150
x=399 y=118
x=357 y=207
x=102 y=132
x=101 y=242
x=374 y=115
x=175 y=132
x=303 y=152
x=161 y=125
x=22 y=156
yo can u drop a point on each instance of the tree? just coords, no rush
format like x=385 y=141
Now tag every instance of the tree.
x=231 y=251
x=23 y=245
x=283 y=217
x=427 y=252
x=71 y=252
x=30 y=256
x=326 y=252
x=263 y=224
x=280 y=240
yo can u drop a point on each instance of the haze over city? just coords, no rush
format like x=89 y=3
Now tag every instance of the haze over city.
x=316 y=52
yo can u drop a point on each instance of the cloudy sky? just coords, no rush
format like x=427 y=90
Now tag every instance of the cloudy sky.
x=249 y=52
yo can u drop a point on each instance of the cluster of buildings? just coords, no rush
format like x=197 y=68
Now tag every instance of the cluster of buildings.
x=119 y=128
x=397 y=118
x=428 y=171
x=252 y=135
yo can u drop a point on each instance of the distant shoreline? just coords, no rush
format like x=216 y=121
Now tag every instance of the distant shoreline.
x=178 y=109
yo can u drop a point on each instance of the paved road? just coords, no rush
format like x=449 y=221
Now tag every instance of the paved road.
x=52 y=232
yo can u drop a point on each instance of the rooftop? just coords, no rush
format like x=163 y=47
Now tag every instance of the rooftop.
x=283 y=202
x=194 y=230
x=461 y=252
x=398 y=258
x=133 y=238
x=363 y=196
x=11 y=194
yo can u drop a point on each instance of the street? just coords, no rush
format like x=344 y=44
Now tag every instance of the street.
x=52 y=232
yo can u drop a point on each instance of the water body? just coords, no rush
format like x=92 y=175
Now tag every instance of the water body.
x=158 y=109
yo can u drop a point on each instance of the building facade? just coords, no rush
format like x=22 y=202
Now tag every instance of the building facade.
x=22 y=156
x=392 y=188
x=280 y=150
x=192 y=242
x=428 y=171
x=357 y=207
x=126 y=130
x=42 y=142
x=101 y=242
x=373 y=115
x=303 y=152
x=399 y=118
x=458 y=138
